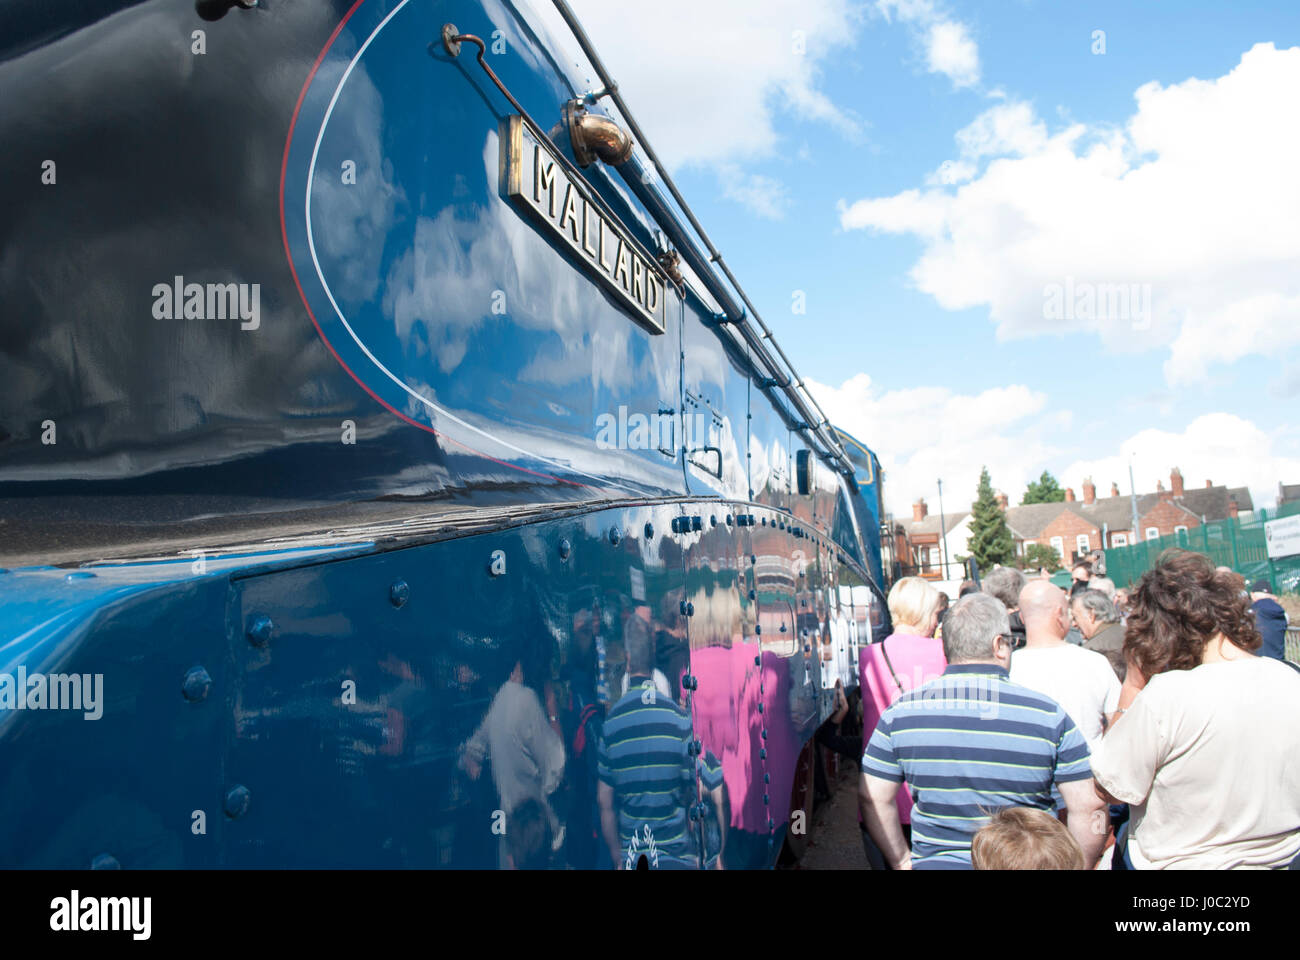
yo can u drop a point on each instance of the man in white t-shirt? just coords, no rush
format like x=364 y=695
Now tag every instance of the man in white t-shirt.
x=1080 y=680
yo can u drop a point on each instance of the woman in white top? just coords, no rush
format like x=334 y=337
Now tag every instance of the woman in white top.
x=1205 y=744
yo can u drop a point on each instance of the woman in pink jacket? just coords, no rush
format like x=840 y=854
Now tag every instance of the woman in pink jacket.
x=906 y=659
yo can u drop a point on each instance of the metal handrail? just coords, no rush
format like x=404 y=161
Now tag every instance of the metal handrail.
x=793 y=386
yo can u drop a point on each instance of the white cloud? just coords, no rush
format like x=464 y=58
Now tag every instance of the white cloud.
x=923 y=434
x=707 y=80
x=1009 y=128
x=951 y=51
x=1193 y=201
x=1221 y=447
x=947 y=43
x=951 y=172
x=763 y=195
x=908 y=212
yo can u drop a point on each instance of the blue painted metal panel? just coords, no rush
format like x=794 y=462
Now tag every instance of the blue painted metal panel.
x=297 y=680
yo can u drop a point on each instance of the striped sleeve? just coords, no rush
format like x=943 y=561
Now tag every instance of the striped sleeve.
x=1072 y=759
x=879 y=758
x=603 y=772
x=710 y=771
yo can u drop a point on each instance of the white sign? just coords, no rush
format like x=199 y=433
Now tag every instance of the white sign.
x=533 y=177
x=1282 y=537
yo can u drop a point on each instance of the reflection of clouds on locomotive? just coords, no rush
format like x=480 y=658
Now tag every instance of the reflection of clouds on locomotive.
x=415 y=638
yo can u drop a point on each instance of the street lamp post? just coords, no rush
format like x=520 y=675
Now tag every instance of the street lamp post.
x=1133 y=498
x=943 y=531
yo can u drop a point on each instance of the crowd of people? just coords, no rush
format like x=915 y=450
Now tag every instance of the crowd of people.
x=1028 y=727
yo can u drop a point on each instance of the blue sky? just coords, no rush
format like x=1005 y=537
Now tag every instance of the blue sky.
x=1165 y=164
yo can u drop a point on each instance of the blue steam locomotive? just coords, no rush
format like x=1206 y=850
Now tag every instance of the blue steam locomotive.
x=392 y=473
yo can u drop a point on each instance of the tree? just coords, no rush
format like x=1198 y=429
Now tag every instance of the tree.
x=990 y=538
x=1042 y=555
x=1045 y=490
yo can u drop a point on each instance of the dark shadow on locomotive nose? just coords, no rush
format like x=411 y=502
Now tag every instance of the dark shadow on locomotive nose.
x=216 y=9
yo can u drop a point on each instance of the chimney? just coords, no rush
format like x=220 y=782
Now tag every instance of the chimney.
x=1208 y=484
x=919 y=511
x=1114 y=489
x=1089 y=492
x=1002 y=501
x=1232 y=507
x=1176 y=481
x=1160 y=489
x=1069 y=494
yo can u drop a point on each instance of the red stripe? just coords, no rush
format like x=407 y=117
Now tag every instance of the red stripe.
x=284 y=235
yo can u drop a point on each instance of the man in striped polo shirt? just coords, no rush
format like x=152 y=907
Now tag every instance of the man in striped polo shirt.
x=646 y=767
x=969 y=743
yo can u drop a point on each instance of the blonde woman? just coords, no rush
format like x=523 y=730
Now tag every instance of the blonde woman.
x=907 y=658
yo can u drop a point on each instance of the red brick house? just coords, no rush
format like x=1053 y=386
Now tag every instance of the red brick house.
x=1075 y=526
x=917 y=544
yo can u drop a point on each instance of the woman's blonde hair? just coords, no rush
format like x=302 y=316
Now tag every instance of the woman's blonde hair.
x=912 y=601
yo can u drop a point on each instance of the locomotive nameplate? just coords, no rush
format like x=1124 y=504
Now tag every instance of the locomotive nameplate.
x=534 y=178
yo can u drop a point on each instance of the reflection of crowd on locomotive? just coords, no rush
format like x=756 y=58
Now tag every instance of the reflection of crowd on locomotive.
x=597 y=779
x=1099 y=749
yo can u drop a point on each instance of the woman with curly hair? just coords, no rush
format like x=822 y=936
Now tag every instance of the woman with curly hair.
x=1206 y=745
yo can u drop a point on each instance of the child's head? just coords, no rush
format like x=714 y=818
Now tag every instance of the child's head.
x=1022 y=838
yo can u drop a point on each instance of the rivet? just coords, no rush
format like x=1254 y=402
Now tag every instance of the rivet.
x=196 y=685
x=682 y=608
x=104 y=861
x=758 y=660
x=760 y=708
x=766 y=798
x=565 y=549
x=767 y=778
x=762 y=753
x=649 y=531
x=615 y=535
x=79 y=575
x=399 y=593
x=259 y=631
x=765 y=733
x=237 y=800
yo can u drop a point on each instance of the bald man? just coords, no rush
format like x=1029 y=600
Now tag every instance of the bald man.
x=1080 y=680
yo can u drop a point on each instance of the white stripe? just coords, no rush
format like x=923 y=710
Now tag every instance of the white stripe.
x=311 y=245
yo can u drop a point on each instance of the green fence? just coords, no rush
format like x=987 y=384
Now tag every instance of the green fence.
x=1229 y=543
